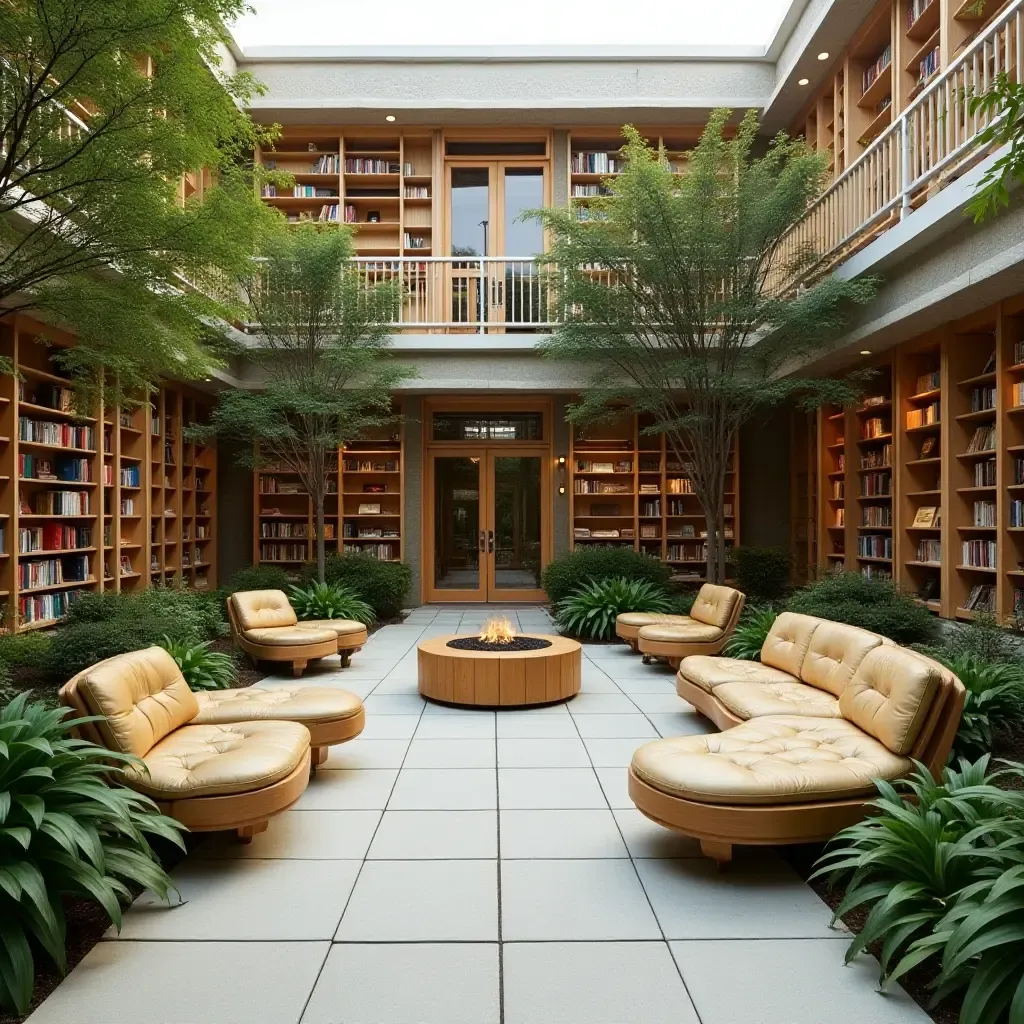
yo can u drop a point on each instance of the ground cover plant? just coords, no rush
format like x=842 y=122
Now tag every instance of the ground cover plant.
x=591 y=611
x=202 y=668
x=749 y=636
x=330 y=601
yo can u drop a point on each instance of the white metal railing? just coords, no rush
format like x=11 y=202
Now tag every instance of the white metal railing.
x=933 y=139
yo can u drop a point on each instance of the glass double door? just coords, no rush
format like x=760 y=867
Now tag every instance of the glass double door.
x=488 y=531
x=496 y=284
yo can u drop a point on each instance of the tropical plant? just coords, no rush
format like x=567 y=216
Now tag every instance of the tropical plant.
x=874 y=604
x=259 y=577
x=1001 y=109
x=66 y=828
x=762 y=573
x=749 y=635
x=675 y=296
x=565 y=574
x=591 y=612
x=202 y=668
x=926 y=842
x=94 y=151
x=328 y=601
x=322 y=334
x=384 y=586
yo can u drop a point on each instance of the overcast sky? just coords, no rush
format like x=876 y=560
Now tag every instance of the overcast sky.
x=514 y=22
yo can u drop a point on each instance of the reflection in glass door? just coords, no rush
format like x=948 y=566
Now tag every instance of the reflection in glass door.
x=516 y=509
x=458 y=536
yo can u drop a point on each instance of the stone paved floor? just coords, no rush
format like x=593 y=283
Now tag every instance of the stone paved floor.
x=461 y=867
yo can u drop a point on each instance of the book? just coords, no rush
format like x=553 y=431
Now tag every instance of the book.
x=926 y=516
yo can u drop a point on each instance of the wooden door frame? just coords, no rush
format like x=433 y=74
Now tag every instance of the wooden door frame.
x=430 y=448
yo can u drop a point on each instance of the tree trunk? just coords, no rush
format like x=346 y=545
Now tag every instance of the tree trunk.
x=321 y=548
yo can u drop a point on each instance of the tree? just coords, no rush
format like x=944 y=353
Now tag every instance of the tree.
x=321 y=339
x=105 y=106
x=666 y=295
x=1002 y=105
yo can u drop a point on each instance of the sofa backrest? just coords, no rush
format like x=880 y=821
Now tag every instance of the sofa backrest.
x=834 y=654
x=262 y=609
x=890 y=696
x=141 y=695
x=716 y=606
x=785 y=646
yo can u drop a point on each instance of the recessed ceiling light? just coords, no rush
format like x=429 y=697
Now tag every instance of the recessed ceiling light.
x=389 y=117
x=823 y=55
x=865 y=351
x=804 y=81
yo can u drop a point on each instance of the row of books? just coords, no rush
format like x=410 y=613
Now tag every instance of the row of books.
x=924 y=416
x=982 y=440
x=873 y=545
x=57 y=503
x=1016 y=513
x=50 y=396
x=53 y=537
x=981 y=554
x=871 y=73
x=417 y=191
x=838 y=489
x=596 y=163
x=46 y=607
x=687 y=553
x=915 y=8
x=1018 y=469
x=584 y=486
x=874 y=485
x=369 y=165
x=583 y=191
x=301 y=192
x=650 y=509
x=286 y=530
x=982 y=598
x=929 y=550
x=928 y=66
x=53 y=571
x=984 y=513
x=983 y=398
x=32 y=467
x=368 y=532
x=588 y=466
x=1018 y=394
x=876 y=515
x=283 y=552
x=928 y=382
x=61 y=435
x=679 y=485
x=840 y=517
x=127 y=506
x=985 y=473
x=874 y=427
x=411 y=241
x=130 y=476
x=383 y=552
x=370 y=465
x=876 y=458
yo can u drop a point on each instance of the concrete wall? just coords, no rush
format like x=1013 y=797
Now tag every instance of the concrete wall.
x=764 y=480
x=234 y=512
x=412 y=522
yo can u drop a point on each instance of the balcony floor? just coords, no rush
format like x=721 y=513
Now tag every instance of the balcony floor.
x=458 y=867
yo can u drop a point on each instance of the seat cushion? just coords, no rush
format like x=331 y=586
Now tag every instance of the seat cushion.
x=834 y=655
x=288 y=636
x=215 y=760
x=778 y=760
x=714 y=605
x=890 y=695
x=709 y=673
x=314 y=704
x=787 y=642
x=339 y=627
x=759 y=699
x=651 y=619
x=692 y=633
x=142 y=696
x=255 y=609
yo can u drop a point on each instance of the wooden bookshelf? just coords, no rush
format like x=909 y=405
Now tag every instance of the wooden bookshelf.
x=832 y=517
x=871 y=459
x=627 y=488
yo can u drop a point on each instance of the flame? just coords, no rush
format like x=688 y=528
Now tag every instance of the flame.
x=498 y=631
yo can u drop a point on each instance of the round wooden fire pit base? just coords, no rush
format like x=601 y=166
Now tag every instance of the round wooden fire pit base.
x=501 y=678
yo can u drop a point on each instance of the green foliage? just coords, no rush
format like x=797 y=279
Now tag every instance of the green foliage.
x=681 y=603
x=873 y=604
x=202 y=668
x=64 y=830
x=749 y=636
x=567 y=573
x=689 y=317
x=591 y=611
x=384 y=586
x=323 y=332
x=260 y=577
x=982 y=637
x=762 y=573
x=29 y=650
x=330 y=601
x=1002 y=107
x=925 y=843
x=112 y=189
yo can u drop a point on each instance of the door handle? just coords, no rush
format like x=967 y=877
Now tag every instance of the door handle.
x=490 y=541
x=483 y=540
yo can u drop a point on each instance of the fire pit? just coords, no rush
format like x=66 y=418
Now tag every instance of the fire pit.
x=499 y=668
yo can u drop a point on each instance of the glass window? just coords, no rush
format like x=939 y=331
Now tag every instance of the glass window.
x=488 y=426
x=470 y=210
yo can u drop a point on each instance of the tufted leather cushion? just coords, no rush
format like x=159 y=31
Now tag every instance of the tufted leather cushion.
x=298 y=704
x=782 y=759
x=695 y=633
x=760 y=699
x=889 y=696
x=255 y=609
x=288 y=636
x=709 y=673
x=715 y=605
x=339 y=627
x=215 y=760
x=142 y=697
x=650 y=619
x=834 y=655
x=786 y=644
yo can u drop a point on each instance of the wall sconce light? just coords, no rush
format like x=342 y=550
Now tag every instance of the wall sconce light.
x=561 y=470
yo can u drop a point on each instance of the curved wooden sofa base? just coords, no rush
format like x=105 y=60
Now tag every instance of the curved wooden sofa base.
x=329 y=734
x=629 y=635
x=706 y=703
x=720 y=826
x=297 y=655
x=245 y=813
x=675 y=652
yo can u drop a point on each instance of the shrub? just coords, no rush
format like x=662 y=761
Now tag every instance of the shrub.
x=29 y=650
x=202 y=668
x=590 y=613
x=762 y=573
x=748 y=637
x=983 y=638
x=382 y=585
x=65 y=832
x=682 y=603
x=259 y=577
x=97 y=607
x=927 y=842
x=568 y=573
x=78 y=645
x=327 y=601
x=873 y=604
x=188 y=612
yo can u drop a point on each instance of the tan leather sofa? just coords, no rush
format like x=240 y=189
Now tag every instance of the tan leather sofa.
x=629 y=624
x=713 y=618
x=265 y=626
x=209 y=777
x=828 y=709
